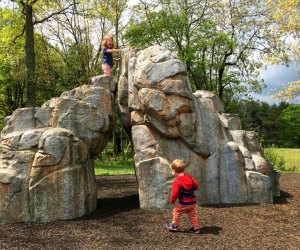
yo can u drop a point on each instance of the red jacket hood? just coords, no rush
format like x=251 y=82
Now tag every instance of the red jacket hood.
x=185 y=181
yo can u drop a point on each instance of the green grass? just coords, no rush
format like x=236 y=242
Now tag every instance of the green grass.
x=291 y=158
x=114 y=166
x=283 y=159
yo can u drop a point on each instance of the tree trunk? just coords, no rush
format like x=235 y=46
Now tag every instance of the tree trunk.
x=30 y=57
x=220 y=86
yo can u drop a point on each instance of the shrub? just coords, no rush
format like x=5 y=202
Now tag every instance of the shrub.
x=277 y=161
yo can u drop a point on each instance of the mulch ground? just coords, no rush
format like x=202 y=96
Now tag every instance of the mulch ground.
x=118 y=223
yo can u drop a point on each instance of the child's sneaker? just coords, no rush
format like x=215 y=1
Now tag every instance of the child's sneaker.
x=194 y=230
x=172 y=227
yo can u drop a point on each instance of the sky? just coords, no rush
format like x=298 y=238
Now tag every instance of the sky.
x=275 y=76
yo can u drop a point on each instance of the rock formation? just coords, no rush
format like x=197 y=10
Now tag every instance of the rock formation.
x=167 y=121
x=46 y=157
x=46 y=153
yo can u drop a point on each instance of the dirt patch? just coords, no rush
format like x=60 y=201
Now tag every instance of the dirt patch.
x=118 y=223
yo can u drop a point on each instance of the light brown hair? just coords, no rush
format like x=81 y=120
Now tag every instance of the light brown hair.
x=178 y=166
x=104 y=40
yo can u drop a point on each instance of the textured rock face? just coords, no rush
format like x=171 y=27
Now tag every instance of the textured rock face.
x=46 y=156
x=168 y=121
x=46 y=153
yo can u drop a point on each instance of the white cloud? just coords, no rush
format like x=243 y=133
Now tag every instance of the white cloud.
x=275 y=76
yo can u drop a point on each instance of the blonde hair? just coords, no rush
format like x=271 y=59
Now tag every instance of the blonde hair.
x=178 y=166
x=104 y=40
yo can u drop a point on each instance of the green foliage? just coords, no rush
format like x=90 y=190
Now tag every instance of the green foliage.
x=214 y=39
x=51 y=72
x=12 y=69
x=58 y=67
x=266 y=120
x=284 y=159
x=117 y=157
x=277 y=161
x=114 y=166
x=291 y=117
x=139 y=35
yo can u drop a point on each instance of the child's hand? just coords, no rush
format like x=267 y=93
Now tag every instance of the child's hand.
x=117 y=59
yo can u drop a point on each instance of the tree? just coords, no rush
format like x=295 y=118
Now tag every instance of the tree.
x=291 y=116
x=266 y=120
x=12 y=69
x=74 y=33
x=117 y=9
x=286 y=18
x=27 y=10
x=289 y=91
x=216 y=40
x=78 y=34
x=70 y=32
x=51 y=71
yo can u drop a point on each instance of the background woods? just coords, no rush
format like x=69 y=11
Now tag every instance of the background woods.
x=47 y=47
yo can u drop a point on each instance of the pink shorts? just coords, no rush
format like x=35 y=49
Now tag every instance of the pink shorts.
x=106 y=69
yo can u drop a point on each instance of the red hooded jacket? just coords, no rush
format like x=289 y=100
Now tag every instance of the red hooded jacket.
x=187 y=182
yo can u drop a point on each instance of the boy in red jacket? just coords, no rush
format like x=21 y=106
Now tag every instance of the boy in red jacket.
x=183 y=189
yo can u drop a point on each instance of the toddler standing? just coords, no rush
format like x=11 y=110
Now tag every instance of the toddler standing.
x=183 y=189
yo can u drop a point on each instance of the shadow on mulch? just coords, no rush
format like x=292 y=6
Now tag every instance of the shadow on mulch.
x=204 y=230
x=283 y=198
x=211 y=230
x=228 y=205
x=107 y=207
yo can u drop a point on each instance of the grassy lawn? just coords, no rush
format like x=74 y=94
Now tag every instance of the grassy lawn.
x=114 y=166
x=291 y=157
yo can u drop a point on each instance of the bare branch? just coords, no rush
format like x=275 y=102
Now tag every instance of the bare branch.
x=17 y=37
x=53 y=14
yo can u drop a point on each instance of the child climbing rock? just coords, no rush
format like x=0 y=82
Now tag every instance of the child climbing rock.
x=108 y=51
x=108 y=60
x=183 y=189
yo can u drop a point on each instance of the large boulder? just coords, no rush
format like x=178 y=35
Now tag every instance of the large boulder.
x=46 y=156
x=168 y=121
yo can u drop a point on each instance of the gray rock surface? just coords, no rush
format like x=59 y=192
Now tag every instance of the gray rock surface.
x=168 y=121
x=259 y=188
x=46 y=153
x=46 y=156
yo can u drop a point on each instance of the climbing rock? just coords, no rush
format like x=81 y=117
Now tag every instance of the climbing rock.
x=261 y=165
x=170 y=122
x=106 y=82
x=154 y=175
x=46 y=153
x=61 y=181
x=259 y=188
x=231 y=121
x=233 y=185
x=46 y=156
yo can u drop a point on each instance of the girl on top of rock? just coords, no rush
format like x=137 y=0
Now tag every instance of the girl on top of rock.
x=108 y=51
x=183 y=189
